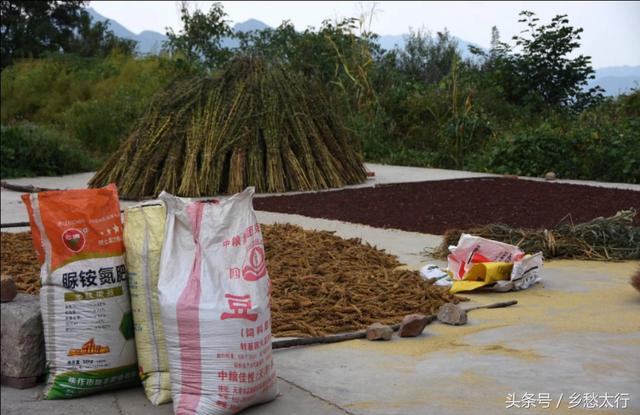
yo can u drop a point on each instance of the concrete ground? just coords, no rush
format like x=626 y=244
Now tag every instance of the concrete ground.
x=570 y=344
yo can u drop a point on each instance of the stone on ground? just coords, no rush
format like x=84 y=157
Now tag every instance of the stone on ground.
x=23 y=358
x=379 y=331
x=413 y=325
x=7 y=289
x=452 y=314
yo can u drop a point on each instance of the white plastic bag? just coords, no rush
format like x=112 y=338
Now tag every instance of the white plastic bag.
x=215 y=305
x=473 y=249
x=434 y=272
x=525 y=273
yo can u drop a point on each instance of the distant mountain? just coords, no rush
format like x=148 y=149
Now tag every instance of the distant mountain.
x=619 y=71
x=614 y=79
x=148 y=40
x=249 y=25
x=617 y=80
x=151 y=42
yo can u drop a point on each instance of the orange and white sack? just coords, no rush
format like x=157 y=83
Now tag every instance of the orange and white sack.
x=86 y=312
x=214 y=295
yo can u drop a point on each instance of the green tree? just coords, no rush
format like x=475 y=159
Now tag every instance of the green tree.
x=31 y=29
x=335 y=53
x=427 y=59
x=96 y=40
x=538 y=72
x=200 y=40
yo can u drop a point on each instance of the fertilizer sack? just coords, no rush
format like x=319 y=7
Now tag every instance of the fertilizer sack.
x=84 y=298
x=215 y=305
x=143 y=238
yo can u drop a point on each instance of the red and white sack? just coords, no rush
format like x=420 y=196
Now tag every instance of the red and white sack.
x=215 y=304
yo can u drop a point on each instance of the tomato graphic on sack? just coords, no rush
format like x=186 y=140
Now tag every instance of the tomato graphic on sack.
x=254 y=264
x=73 y=239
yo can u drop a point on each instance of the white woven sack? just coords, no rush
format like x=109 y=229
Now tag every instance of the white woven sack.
x=215 y=305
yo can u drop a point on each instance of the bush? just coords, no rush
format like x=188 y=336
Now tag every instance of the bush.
x=93 y=100
x=29 y=150
x=601 y=144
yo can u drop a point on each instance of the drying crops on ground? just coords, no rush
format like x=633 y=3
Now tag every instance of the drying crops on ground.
x=321 y=283
x=325 y=284
x=602 y=239
x=18 y=259
x=255 y=124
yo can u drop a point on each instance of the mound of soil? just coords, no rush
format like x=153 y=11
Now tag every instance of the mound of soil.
x=436 y=206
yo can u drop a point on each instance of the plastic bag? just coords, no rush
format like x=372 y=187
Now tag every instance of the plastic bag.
x=474 y=249
x=84 y=297
x=482 y=263
x=215 y=304
x=143 y=239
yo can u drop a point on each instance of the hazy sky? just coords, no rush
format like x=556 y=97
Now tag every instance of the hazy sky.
x=611 y=29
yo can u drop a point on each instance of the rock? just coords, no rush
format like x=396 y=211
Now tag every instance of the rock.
x=23 y=358
x=22 y=383
x=413 y=325
x=452 y=314
x=550 y=176
x=379 y=331
x=7 y=289
x=635 y=280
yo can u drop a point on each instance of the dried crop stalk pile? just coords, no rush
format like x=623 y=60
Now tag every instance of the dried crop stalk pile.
x=603 y=239
x=321 y=283
x=255 y=124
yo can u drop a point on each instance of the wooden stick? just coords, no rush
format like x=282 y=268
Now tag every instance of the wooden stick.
x=305 y=341
x=14 y=225
x=494 y=305
x=23 y=224
x=19 y=188
x=361 y=334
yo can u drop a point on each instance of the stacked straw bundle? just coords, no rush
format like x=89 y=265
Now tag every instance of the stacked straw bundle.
x=254 y=124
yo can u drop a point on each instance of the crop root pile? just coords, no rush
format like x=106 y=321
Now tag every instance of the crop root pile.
x=326 y=284
x=321 y=283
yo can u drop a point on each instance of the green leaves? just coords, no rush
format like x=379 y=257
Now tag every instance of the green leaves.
x=32 y=29
x=29 y=150
x=199 y=42
x=542 y=76
x=602 y=144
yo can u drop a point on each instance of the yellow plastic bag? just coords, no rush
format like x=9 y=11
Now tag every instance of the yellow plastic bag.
x=482 y=274
x=143 y=237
